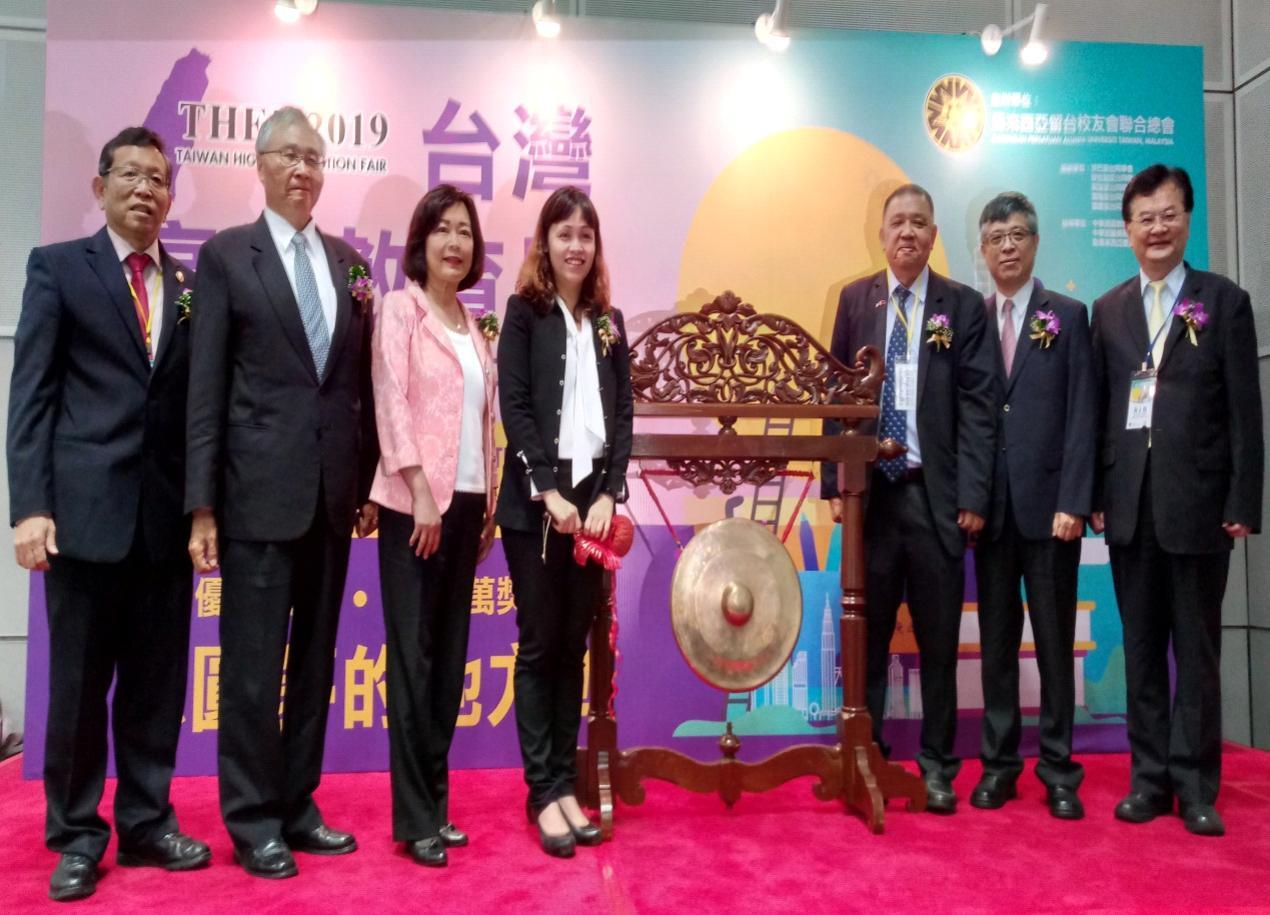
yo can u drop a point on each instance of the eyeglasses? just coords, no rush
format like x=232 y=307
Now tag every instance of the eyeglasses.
x=291 y=158
x=1148 y=220
x=134 y=178
x=1016 y=236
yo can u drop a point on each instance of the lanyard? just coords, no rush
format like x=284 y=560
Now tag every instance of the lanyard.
x=1166 y=315
x=146 y=319
x=908 y=327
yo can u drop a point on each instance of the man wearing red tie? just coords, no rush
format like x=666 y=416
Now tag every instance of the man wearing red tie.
x=96 y=450
x=1178 y=479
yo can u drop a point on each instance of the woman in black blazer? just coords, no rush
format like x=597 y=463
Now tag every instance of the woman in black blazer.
x=565 y=394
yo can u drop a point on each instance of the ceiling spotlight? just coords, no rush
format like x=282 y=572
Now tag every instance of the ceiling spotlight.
x=545 y=19
x=292 y=10
x=771 y=28
x=1032 y=53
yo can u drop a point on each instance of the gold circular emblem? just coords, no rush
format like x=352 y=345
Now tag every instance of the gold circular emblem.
x=954 y=113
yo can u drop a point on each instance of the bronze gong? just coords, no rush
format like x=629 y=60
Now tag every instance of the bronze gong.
x=736 y=605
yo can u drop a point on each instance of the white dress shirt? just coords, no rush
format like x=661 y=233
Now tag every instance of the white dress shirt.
x=471 y=475
x=1173 y=283
x=1021 y=299
x=913 y=308
x=282 y=232
x=153 y=277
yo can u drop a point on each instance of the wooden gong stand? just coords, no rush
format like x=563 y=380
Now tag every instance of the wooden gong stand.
x=727 y=362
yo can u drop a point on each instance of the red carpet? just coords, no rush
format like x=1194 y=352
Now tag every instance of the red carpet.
x=782 y=851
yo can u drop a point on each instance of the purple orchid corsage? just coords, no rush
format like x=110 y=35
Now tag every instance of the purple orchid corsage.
x=1194 y=315
x=360 y=285
x=487 y=324
x=1045 y=327
x=940 y=331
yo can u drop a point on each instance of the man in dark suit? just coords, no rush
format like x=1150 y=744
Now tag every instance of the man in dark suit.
x=1041 y=496
x=96 y=453
x=1179 y=477
x=938 y=401
x=282 y=449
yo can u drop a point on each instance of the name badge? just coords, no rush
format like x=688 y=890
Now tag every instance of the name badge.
x=1141 y=399
x=906 y=386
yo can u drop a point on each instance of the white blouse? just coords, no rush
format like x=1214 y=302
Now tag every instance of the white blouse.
x=471 y=476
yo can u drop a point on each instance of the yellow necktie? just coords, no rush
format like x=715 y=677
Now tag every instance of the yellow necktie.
x=1156 y=321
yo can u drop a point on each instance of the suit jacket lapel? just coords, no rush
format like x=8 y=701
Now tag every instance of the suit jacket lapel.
x=273 y=276
x=873 y=321
x=432 y=323
x=930 y=308
x=1135 y=319
x=1191 y=287
x=338 y=267
x=172 y=288
x=990 y=312
x=105 y=263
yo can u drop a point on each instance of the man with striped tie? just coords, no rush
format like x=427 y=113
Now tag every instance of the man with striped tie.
x=1177 y=481
x=281 y=453
x=939 y=402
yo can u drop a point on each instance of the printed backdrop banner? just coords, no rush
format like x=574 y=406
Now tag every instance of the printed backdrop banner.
x=715 y=165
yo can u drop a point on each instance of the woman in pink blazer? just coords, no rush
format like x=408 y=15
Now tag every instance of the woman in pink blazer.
x=434 y=380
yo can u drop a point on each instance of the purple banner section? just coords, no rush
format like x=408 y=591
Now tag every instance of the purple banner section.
x=659 y=701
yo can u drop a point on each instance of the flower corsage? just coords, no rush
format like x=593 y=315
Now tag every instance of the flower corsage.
x=607 y=333
x=487 y=324
x=360 y=286
x=940 y=331
x=1194 y=315
x=1045 y=327
x=183 y=303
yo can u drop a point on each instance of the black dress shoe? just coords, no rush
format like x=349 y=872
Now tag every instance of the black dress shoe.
x=75 y=877
x=174 y=852
x=273 y=860
x=1202 y=820
x=1141 y=808
x=562 y=846
x=429 y=852
x=940 y=797
x=1064 y=802
x=992 y=792
x=452 y=836
x=322 y=840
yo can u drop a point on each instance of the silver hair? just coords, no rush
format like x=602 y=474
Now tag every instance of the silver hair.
x=1004 y=205
x=286 y=116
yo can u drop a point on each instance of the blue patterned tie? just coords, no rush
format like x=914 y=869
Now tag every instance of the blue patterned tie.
x=894 y=422
x=310 y=302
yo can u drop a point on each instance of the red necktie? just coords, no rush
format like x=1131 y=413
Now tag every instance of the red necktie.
x=137 y=263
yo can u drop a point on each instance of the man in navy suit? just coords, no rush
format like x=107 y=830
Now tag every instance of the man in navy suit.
x=1041 y=496
x=282 y=450
x=1179 y=479
x=96 y=451
x=938 y=401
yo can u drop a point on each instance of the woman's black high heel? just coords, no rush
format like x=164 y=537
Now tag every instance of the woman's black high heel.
x=589 y=834
x=556 y=846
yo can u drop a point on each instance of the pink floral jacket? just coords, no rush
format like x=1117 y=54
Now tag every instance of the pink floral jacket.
x=419 y=400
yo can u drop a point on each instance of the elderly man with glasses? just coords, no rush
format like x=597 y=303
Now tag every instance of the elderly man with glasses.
x=282 y=451
x=96 y=450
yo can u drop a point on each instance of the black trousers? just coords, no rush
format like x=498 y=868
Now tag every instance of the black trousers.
x=1162 y=597
x=905 y=557
x=129 y=622
x=556 y=602
x=1048 y=569
x=427 y=617
x=278 y=598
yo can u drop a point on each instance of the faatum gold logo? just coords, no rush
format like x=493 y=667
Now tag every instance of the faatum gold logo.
x=955 y=113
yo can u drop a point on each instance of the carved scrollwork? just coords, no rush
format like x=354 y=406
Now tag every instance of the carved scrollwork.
x=727 y=353
x=727 y=475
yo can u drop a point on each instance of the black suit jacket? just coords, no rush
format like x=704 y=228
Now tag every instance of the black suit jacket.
x=531 y=360
x=1047 y=423
x=96 y=436
x=264 y=431
x=956 y=402
x=1206 y=448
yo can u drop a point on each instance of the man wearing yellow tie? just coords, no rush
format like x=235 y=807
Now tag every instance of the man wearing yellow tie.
x=1179 y=477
